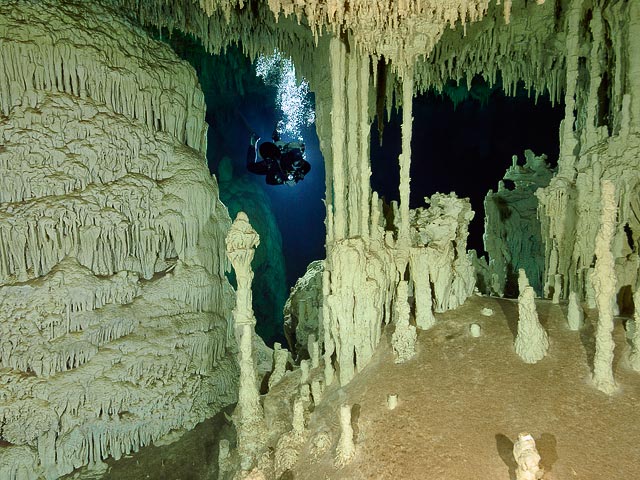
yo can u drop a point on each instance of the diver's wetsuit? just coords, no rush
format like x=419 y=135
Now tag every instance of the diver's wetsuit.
x=280 y=163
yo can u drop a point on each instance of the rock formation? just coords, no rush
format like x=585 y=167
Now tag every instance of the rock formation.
x=241 y=242
x=512 y=230
x=241 y=193
x=604 y=282
x=532 y=342
x=635 y=340
x=575 y=315
x=404 y=336
x=114 y=310
x=527 y=457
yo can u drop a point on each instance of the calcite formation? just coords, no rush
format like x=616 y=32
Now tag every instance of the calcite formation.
x=404 y=336
x=440 y=267
x=241 y=242
x=635 y=340
x=303 y=310
x=346 y=449
x=532 y=341
x=575 y=315
x=598 y=140
x=240 y=193
x=527 y=458
x=512 y=230
x=604 y=282
x=114 y=309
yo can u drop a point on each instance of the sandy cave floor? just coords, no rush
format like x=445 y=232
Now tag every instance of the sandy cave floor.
x=462 y=402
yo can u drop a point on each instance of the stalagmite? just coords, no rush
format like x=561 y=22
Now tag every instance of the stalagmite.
x=512 y=236
x=314 y=351
x=475 y=330
x=316 y=391
x=634 y=358
x=604 y=284
x=523 y=281
x=304 y=372
x=248 y=417
x=527 y=458
x=575 y=315
x=403 y=339
x=531 y=343
x=358 y=278
x=280 y=357
x=346 y=449
x=419 y=264
x=557 y=288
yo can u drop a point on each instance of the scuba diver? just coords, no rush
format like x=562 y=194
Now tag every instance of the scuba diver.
x=282 y=163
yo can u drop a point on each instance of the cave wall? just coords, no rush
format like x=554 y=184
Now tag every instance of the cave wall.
x=114 y=308
x=599 y=140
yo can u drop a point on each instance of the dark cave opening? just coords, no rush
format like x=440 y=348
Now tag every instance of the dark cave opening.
x=465 y=145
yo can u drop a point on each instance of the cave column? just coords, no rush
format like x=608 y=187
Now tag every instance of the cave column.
x=337 y=60
x=404 y=241
x=356 y=276
x=568 y=139
x=241 y=242
x=604 y=283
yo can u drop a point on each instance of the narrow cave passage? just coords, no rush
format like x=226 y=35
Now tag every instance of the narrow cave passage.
x=289 y=219
x=463 y=142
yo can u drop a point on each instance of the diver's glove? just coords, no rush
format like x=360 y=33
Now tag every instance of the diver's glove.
x=254 y=139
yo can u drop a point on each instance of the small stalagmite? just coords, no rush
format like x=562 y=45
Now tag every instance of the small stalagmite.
x=575 y=315
x=280 y=356
x=527 y=457
x=403 y=339
x=531 y=342
x=346 y=449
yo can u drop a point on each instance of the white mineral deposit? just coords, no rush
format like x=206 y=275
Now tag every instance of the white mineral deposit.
x=532 y=341
x=346 y=449
x=475 y=330
x=575 y=314
x=527 y=458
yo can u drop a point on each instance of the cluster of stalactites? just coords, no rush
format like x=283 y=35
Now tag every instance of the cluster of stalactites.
x=399 y=31
x=526 y=49
x=85 y=62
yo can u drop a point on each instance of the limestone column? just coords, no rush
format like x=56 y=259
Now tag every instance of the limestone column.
x=419 y=264
x=337 y=62
x=248 y=415
x=635 y=341
x=604 y=284
x=403 y=243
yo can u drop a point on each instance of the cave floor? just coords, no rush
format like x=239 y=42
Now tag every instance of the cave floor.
x=462 y=401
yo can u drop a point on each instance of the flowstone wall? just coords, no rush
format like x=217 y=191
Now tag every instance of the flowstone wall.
x=114 y=308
